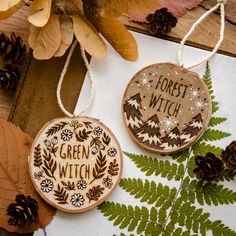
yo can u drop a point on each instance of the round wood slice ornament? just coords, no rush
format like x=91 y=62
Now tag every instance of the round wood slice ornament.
x=75 y=163
x=166 y=108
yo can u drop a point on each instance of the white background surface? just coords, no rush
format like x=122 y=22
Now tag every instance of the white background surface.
x=111 y=77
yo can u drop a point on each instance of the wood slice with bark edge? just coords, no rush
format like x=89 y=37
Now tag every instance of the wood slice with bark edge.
x=15 y=147
x=183 y=72
x=106 y=193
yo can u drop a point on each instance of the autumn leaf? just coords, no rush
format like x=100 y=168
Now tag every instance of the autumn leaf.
x=40 y=18
x=67 y=34
x=9 y=8
x=112 y=30
x=88 y=37
x=45 y=41
x=15 y=178
x=179 y=7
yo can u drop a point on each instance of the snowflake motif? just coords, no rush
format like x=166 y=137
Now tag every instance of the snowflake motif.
x=97 y=131
x=199 y=104
x=77 y=200
x=112 y=152
x=144 y=80
x=46 y=185
x=107 y=182
x=195 y=93
x=81 y=185
x=66 y=135
x=168 y=123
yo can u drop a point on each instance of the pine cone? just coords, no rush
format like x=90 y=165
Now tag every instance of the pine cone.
x=24 y=211
x=209 y=167
x=13 y=49
x=228 y=156
x=162 y=21
x=9 y=77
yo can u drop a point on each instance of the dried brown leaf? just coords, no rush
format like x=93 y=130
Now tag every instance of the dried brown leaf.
x=7 y=9
x=14 y=176
x=128 y=6
x=45 y=41
x=119 y=37
x=67 y=34
x=43 y=8
x=88 y=37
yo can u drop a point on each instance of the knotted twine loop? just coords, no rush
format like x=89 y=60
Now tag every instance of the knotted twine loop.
x=62 y=76
x=221 y=4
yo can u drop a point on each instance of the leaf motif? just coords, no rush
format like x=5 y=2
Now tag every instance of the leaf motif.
x=106 y=139
x=88 y=124
x=88 y=37
x=45 y=41
x=37 y=156
x=82 y=135
x=113 y=168
x=69 y=185
x=112 y=30
x=61 y=195
x=41 y=17
x=56 y=128
x=7 y=9
x=67 y=35
x=49 y=165
x=95 y=193
x=15 y=178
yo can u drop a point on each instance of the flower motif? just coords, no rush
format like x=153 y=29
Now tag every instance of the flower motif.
x=107 y=182
x=46 y=185
x=54 y=140
x=81 y=184
x=47 y=143
x=97 y=131
x=77 y=200
x=66 y=135
x=75 y=124
x=112 y=152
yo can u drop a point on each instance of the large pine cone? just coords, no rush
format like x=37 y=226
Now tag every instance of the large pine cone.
x=162 y=21
x=24 y=211
x=209 y=167
x=228 y=156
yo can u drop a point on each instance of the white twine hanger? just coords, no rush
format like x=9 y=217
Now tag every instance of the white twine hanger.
x=221 y=4
x=92 y=91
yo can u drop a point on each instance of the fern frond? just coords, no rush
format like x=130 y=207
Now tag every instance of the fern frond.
x=149 y=192
x=219 y=229
x=131 y=218
x=207 y=193
x=215 y=107
x=151 y=166
x=216 y=121
x=227 y=175
x=213 y=135
x=201 y=149
x=181 y=156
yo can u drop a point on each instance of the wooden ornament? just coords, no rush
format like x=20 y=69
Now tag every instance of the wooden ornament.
x=166 y=108
x=75 y=163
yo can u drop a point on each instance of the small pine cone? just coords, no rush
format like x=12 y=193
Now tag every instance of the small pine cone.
x=4 y=42
x=228 y=156
x=24 y=211
x=209 y=167
x=162 y=21
x=9 y=77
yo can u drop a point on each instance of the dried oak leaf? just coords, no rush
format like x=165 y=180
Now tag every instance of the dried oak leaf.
x=67 y=35
x=41 y=17
x=119 y=37
x=45 y=41
x=14 y=176
x=7 y=8
x=88 y=37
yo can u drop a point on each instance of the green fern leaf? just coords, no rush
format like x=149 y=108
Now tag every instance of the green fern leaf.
x=216 y=121
x=149 y=192
x=215 y=106
x=132 y=218
x=201 y=149
x=181 y=156
x=207 y=193
x=219 y=229
x=227 y=175
x=213 y=135
x=151 y=166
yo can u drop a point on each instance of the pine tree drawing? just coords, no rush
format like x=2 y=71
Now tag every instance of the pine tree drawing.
x=175 y=210
x=132 y=112
x=149 y=132
x=192 y=129
x=171 y=140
